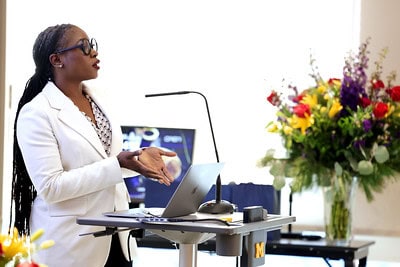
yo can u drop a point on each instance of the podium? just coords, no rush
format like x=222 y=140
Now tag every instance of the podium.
x=232 y=239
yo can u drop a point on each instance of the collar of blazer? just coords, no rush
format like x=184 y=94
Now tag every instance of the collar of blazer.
x=71 y=116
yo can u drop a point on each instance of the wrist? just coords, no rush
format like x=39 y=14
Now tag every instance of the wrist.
x=119 y=159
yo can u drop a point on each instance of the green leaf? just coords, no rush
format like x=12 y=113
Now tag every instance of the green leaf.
x=365 y=167
x=381 y=154
x=279 y=182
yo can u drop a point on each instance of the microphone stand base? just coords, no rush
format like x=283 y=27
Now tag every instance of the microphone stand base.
x=217 y=207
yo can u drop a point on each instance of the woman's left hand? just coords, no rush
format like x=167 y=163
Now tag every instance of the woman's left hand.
x=152 y=158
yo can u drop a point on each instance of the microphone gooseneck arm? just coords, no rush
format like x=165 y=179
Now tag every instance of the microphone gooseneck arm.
x=218 y=185
x=170 y=93
x=218 y=182
x=207 y=107
x=217 y=206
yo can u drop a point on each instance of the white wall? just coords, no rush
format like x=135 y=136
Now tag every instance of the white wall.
x=234 y=52
x=2 y=88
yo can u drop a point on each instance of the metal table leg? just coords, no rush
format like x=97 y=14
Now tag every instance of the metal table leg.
x=187 y=255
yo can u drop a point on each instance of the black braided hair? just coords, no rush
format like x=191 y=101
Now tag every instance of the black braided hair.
x=23 y=192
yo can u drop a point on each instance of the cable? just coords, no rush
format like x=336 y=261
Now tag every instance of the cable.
x=199 y=220
x=157 y=218
x=160 y=219
x=327 y=262
x=129 y=247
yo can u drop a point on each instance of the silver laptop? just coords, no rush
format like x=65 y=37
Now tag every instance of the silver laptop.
x=186 y=199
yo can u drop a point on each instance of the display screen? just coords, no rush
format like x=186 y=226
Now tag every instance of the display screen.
x=178 y=140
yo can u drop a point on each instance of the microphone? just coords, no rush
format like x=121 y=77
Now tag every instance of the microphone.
x=217 y=206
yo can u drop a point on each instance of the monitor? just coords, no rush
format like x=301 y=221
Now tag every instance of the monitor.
x=178 y=140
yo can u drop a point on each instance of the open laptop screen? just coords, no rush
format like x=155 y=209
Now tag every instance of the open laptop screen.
x=179 y=140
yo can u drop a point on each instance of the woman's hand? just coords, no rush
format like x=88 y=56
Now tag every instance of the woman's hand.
x=148 y=162
x=152 y=157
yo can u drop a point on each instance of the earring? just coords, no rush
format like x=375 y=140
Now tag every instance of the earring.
x=59 y=66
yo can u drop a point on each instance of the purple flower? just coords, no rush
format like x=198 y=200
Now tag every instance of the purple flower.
x=367 y=125
x=359 y=143
x=350 y=94
x=354 y=80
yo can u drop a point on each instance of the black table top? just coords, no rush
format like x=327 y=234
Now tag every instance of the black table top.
x=322 y=243
x=355 y=249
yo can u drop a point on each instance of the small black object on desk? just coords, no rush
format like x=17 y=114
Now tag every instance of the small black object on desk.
x=301 y=236
x=355 y=250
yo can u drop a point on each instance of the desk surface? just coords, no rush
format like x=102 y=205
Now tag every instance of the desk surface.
x=236 y=227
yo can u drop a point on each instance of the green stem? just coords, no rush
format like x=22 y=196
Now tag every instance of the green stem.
x=339 y=218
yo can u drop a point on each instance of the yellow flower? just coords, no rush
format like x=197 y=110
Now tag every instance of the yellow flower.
x=321 y=89
x=287 y=130
x=301 y=123
x=47 y=244
x=13 y=244
x=36 y=235
x=16 y=248
x=310 y=100
x=391 y=110
x=336 y=107
x=272 y=128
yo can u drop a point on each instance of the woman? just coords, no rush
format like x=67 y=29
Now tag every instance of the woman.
x=67 y=153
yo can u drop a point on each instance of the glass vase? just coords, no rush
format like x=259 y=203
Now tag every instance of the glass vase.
x=338 y=209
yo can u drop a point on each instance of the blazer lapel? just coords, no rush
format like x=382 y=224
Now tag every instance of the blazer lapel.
x=116 y=144
x=72 y=117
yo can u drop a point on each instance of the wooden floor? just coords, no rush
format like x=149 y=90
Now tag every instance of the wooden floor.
x=170 y=258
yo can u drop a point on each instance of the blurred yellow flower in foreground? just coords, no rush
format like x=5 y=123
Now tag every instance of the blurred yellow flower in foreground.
x=12 y=245
x=18 y=249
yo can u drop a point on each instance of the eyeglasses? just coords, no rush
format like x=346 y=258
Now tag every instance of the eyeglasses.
x=86 y=46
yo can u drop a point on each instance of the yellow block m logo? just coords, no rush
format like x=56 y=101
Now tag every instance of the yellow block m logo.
x=259 y=250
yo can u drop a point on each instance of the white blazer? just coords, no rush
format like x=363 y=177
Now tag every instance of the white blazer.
x=73 y=176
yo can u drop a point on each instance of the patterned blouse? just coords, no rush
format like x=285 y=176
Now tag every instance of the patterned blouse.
x=101 y=125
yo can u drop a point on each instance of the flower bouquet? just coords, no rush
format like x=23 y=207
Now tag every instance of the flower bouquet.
x=16 y=251
x=338 y=129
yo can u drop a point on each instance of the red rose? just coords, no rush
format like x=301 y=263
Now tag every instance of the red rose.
x=395 y=93
x=297 y=98
x=380 y=110
x=377 y=84
x=331 y=81
x=365 y=102
x=28 y=264
x=301 y=110
x=273 y=98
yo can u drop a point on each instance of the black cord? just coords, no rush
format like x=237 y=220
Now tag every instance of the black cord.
x=200 y=220
x=149 y=219
x=327 y=262
x=129 y=247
